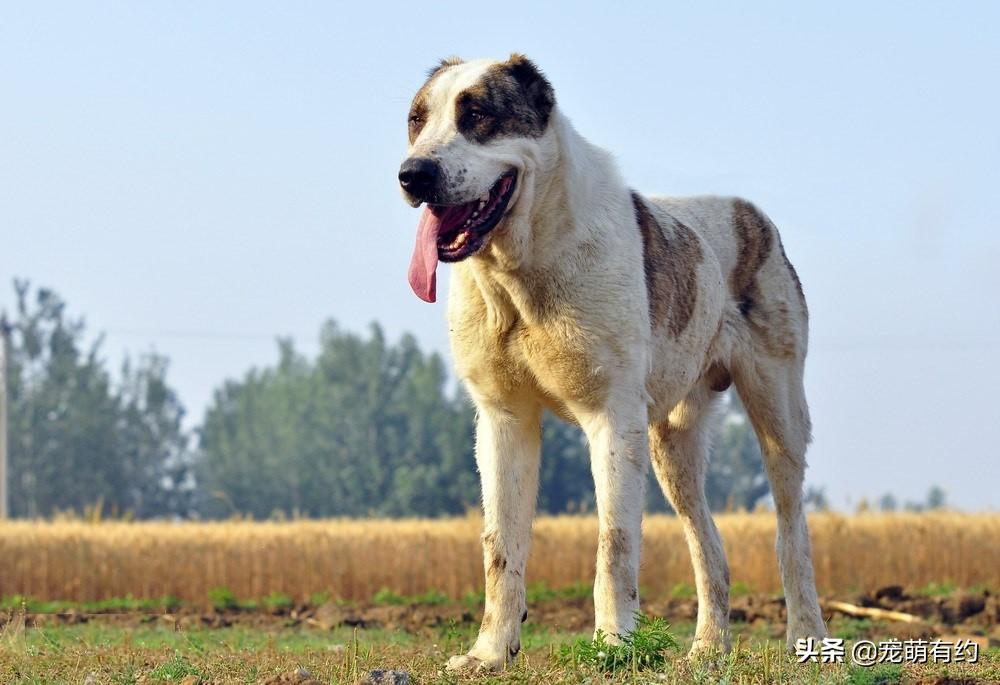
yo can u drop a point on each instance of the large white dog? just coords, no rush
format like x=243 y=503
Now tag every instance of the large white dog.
x=624 y=314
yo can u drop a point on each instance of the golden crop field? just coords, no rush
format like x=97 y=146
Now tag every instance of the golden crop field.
x=351 y=559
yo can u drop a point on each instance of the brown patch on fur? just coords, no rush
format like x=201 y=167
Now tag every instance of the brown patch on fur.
x=754 y=235
x=771 y=319
x=497 y=564
x=718 y=377
x=615 y=542
x=418 y=108
x=670 y=264
x=614 y=548
x=512 y=99
x=795 y=277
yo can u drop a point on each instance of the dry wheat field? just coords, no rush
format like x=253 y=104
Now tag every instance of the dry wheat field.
x=352 y=560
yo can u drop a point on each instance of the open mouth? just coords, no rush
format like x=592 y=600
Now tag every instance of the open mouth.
x=463 y=228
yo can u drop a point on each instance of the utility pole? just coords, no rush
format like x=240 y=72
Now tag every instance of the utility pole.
x=4 y=348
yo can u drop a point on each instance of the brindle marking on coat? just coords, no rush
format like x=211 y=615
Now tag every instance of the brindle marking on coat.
x=669 y=264
x=753 y=233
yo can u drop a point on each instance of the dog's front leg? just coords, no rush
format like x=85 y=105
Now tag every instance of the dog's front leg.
x=619 y=456
x=508 y=445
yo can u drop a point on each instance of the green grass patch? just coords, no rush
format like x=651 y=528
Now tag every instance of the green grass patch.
x=880 y=674
x=682 y=591
x=223 y=599
x=739 y=588
x=541 y=592
x=175 y=668
x=644 y=647
x=942 y=589
x=386 y=596
x=102 y=606
x=277 y=601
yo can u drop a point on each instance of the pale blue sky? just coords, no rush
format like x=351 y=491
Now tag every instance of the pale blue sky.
x=197 y=178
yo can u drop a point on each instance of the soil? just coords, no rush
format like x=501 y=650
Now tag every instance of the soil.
x=960 y=612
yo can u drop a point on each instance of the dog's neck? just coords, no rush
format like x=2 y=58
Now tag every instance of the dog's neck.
x=576 y=194
x=573 y=184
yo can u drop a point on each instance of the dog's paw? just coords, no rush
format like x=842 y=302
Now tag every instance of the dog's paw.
x=706 y=650
x=467 y=663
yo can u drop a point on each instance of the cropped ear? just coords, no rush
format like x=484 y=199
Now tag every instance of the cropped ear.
x=442 y=65
x=536 y=87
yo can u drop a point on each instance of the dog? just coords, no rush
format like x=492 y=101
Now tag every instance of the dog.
x=626 y=315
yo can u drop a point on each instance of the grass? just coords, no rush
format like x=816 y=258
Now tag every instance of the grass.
x=386 y=596
x=933 y=589
x=153 y=653
x=110 y=605
x=352 y=560
x=643 y=648
x=224 y=599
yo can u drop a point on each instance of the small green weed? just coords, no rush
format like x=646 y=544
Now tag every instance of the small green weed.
x=880 y=674
x=644 y=647
x=937 y=589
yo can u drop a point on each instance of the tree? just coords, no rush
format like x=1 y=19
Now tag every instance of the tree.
x=888 y=503
x=936 y=498
x=735 y=477
x=365 y=428
x=151 y=442
x=77 y=438
x=565 y=481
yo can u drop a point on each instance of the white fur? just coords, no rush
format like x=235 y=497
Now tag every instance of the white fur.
x=554 y=313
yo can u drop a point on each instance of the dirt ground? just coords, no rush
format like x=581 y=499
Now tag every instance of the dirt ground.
x=974 y=613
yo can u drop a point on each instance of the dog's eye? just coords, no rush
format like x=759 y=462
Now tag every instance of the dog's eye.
x=476 y=115
x=416 y=119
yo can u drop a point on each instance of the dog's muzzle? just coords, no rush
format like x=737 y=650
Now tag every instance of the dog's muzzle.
x=419 y=177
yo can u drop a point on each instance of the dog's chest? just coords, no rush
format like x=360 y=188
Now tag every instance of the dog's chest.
x=505 y=352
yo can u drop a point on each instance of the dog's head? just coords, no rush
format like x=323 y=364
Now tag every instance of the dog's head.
x=477 y=133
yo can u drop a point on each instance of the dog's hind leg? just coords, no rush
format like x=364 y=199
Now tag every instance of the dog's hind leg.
x=679 y=452
x=508 y=448
x=619 y=458
x=772 y=392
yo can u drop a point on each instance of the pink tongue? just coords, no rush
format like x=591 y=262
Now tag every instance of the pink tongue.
x=424 y=262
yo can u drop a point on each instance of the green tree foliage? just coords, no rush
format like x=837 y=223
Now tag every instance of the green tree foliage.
x=76 y=438
x=735 y=477
x=565 y=480
x=367 y=427
x=364 y=429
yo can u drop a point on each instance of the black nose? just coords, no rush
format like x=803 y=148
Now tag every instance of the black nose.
x=419 y=176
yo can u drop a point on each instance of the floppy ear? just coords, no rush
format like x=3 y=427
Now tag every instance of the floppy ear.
x=535 y=85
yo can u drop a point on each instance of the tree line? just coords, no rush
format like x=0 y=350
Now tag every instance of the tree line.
x=367 y=427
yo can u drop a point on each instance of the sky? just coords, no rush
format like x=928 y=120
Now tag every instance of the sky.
x=197 y=179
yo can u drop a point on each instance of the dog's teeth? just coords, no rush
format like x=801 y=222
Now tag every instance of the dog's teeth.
x=475 y=214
